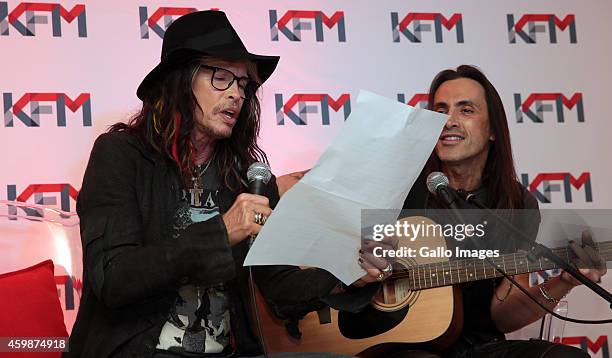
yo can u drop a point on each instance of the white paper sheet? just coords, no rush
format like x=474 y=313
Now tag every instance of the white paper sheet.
x=371 y=164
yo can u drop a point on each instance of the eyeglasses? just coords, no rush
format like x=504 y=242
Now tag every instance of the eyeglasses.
x=223 y=79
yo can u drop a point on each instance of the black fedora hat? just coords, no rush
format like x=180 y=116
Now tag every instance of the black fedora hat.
x=203 y=33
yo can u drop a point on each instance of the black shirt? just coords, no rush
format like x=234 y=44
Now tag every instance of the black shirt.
x=478 y=326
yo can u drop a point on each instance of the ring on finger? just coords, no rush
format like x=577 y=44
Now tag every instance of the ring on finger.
x=260 y=218
x=380 y=277
x=387 y=270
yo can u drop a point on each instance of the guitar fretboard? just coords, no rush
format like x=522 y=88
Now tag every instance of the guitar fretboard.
x=424 y=276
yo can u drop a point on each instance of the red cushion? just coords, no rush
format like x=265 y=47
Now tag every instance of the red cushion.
x=30 y=306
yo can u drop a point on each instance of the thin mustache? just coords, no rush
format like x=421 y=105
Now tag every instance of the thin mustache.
x=452 y=133
x=227 y=107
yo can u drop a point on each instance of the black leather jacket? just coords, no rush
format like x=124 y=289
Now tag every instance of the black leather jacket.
x=133 y=267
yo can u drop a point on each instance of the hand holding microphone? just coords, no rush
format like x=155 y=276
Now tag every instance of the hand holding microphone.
x=249 y=212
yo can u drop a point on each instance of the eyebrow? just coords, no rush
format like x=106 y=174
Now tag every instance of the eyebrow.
x=465 y=102
x=440 y=104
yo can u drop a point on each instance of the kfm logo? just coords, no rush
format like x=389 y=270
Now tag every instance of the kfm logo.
x=298 y=106
x=293 y=22
x=421 y=22
x=544 y=184
x=163 y=15
x=33 y=13
x=585 y=343
x=70 y=284
x=34 y=100
x=39 y=194
x=418 y=100
x=529 y=24
x=536 y=104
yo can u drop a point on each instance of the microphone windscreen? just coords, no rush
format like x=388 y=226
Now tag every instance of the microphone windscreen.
x=434 y=180
x=259 y=171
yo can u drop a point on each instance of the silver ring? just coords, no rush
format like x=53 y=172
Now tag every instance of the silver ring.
x=387 y=270
x=260 y=218
x=380 y=277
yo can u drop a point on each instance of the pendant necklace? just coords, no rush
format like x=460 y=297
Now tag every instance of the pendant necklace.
x=196 y=189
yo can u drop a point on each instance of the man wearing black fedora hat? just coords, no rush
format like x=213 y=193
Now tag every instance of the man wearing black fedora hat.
x=164 y=213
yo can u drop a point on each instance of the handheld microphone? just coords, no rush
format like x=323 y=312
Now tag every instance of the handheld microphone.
x=258 y=176
x=437 y=183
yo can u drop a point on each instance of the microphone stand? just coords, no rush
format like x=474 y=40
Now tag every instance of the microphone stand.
x=450 y=198
x=538 y=250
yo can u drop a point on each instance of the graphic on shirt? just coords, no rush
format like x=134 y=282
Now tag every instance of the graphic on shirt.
x=199 y=321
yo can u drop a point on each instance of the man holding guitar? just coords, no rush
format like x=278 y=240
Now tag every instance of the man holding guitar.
x=474 y=152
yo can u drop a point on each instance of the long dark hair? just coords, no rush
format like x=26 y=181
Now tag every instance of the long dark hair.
x=499 y=174
x=166 y=121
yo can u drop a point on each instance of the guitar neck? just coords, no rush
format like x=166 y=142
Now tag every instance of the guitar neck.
x=424 y=276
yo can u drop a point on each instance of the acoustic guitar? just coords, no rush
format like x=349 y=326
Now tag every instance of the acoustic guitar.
x=434 y=316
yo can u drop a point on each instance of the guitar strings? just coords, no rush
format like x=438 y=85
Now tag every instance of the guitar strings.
x=459 y=269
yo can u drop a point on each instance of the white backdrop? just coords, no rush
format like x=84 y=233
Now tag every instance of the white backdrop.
x=100 y=50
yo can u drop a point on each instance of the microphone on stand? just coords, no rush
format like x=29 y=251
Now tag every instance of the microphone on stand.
x=437 y=183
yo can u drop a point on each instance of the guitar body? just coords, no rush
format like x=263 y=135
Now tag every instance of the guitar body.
x=434 y=317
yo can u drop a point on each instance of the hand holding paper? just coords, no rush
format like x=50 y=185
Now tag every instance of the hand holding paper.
x=371 y=164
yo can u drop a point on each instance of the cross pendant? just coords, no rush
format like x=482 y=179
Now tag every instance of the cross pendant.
x=196 y=194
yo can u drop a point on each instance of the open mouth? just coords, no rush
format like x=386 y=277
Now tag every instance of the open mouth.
x=451 y=138
x=229 y=115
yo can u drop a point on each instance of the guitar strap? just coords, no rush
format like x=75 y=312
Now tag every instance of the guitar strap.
x=324 y=315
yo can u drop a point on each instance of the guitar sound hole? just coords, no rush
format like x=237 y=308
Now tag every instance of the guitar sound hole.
x=396 y=294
